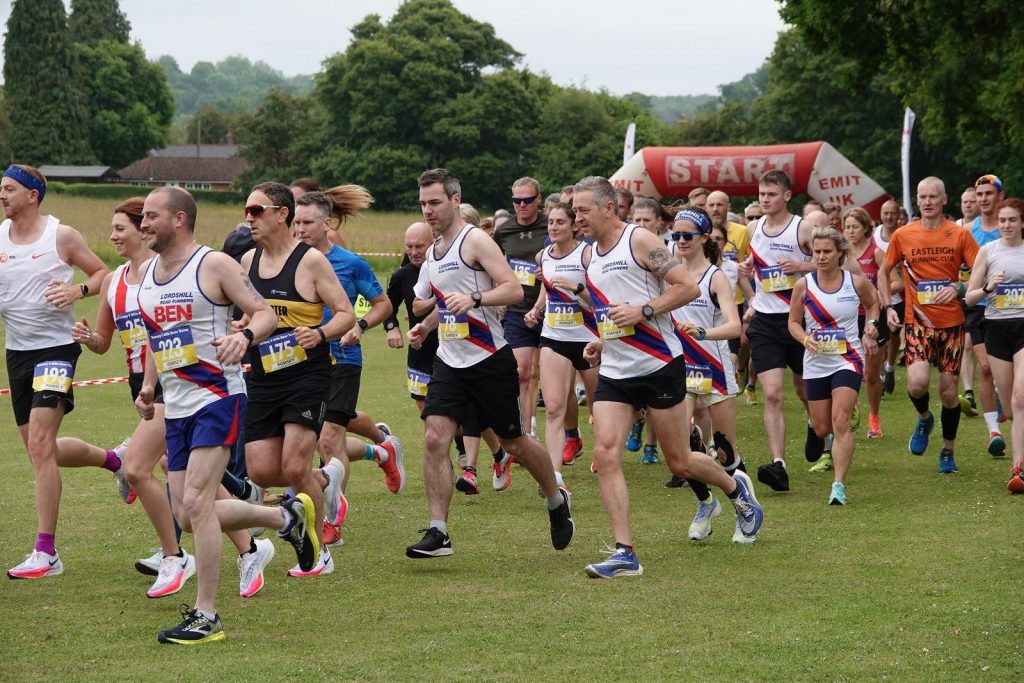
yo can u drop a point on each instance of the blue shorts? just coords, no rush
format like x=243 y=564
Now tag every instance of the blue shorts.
x=517 y=333
x=215 y=424
x=821 y=388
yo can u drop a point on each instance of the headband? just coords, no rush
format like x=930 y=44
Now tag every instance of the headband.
x=22 y=176
x=989 y=179
x=698 y=218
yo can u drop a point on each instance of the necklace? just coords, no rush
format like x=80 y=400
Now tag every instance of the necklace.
x=181 y=258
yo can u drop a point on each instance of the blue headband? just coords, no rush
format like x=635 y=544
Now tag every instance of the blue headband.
x=698 y=218
x=27 y=179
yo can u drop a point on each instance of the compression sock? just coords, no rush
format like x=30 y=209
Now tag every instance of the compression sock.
x=45 y=543
x=950 y=418
x=112 y=463
x=460 y=444
x=722 y=444
x=234 y=485
x=700 y=489
x=920 y=403
x=252 y=547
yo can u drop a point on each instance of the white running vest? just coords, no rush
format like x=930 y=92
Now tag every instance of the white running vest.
x=469 y=338
x=30 y=322
x=123 y=299
x=709 y=368
x=616 y=278
x=772 y=288
x=831 y=318
x=182 y=324
x=883 y=246
x=1007 y=301
x=566 y=316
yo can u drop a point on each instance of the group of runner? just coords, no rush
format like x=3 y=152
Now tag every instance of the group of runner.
x=647 y=313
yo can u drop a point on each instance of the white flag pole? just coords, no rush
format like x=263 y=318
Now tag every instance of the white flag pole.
x=628 y=147
x=908 y=126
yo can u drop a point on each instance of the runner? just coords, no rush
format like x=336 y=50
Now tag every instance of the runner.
x=883 y=233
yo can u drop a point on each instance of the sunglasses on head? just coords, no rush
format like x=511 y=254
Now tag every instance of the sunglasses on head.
x=685 y=236
x=256 y=210
x=524 y=200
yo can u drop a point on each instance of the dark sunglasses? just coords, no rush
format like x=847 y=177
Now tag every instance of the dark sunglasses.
x=753 y=218
x=524 y=200
x=685 y=236
x=256 y=210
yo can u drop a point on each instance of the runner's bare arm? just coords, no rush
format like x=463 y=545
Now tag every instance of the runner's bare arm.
x=722 y=288
x=329 y=289
x=97 y=340
x=653 y=255
x=73 y=250
x=144 y=401
x=234 y=286
x=979 y=279
x=796 y=315
x=484 y=251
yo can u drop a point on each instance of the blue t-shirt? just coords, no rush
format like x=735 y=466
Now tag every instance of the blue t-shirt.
x=356 y=277
x=983 y=237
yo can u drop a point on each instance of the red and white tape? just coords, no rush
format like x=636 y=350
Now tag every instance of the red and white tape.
x=377 y=253
x=84 y=383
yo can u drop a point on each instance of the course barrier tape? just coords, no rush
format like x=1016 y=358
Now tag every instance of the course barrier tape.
x=378 y=253
x=105 y=380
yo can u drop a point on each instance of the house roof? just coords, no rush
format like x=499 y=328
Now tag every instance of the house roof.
x=194 y=151
x=57 y=172
x=180 y=169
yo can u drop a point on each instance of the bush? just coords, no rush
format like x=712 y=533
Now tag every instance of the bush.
x=122 y=191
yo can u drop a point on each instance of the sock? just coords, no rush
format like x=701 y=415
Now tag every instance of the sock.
x=112 y=463
x=555 y=501
x=212 y=616
x=45 y=543
x=180 y=553
x=722 y=444
x=460 y=444
x=969 y=392
x=992 y=421
x=247 y=489
x=623 y=546
x=920 y=403
x=252 y=547
x=700 y=489
x=573 y=433
x=377 y=453
x=440 y=525
x=558 y=479
x=233 y=484
x=888 y=366
x=327 y=478
x=735 y=494
x=499 y=454
x=780 y=461
x=469 y=468
x=950 y=422
x=286 y=521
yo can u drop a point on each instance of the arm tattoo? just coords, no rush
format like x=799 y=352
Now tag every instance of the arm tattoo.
x=252 y=290
x=661 y=261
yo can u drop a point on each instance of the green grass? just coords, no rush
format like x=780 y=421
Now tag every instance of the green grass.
x=915 y=580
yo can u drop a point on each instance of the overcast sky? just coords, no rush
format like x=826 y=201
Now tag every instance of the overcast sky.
x=668 y=47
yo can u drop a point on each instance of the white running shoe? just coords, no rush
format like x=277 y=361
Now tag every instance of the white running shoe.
x=38 y=565
x=700 y=527
x=124 y=489
x=150 y=566
x=174 y=572
x=335 y=472
x=324 y=566
x=739 y=537
x=251 y=566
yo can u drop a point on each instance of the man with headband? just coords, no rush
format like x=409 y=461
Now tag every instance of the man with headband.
x=38 y=258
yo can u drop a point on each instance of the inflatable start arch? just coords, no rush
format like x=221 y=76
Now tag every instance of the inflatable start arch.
x=816 y=169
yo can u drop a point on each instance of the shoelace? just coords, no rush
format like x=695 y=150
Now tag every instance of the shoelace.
x=704 y=510
x=167 y=566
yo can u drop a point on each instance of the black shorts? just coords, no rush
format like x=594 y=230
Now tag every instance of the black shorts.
x=573 y=351
x=343 y=393
x=1004 y=338
x=659 y=390
x=480 y=396
x=883 y=330
x=135 y=384
x=975 y=323
x=271 y=405
x=21 y=367
x=901 y=309
x=771 y=344
x=517 y=333
x=820 y=388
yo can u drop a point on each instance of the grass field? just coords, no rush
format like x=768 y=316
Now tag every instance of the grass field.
x=916 y=579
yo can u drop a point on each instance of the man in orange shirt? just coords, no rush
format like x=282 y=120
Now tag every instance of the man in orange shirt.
x=930 y=252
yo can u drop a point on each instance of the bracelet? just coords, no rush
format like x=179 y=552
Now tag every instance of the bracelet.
x=579 y=289
x=804 y=342
x=323 y=337
x=986 y=289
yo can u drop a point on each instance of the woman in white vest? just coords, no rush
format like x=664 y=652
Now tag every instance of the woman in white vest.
x=823 y=317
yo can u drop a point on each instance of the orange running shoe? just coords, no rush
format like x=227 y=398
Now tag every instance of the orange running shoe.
x=573 y=450
x=1016 y=483
x=874 y=427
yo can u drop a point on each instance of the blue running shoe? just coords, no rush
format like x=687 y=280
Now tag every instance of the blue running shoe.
x=633 y=442
x=919 y=440
x=650 y=456
x=748 y=510
x=621 y=562
x=838 y=495
x=946 y=463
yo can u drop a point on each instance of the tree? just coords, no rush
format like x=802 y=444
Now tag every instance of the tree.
x=284 y=133
x=5 y=132
x=44 y=105
x=93 y=21
x=212 y=126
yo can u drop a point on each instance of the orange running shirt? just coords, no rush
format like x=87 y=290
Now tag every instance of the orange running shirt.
x=930 y=260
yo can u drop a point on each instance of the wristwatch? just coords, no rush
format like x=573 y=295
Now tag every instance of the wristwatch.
x=248 y=334
x=579 y=289
x=390 y=325
x=478 y=299
x=647 y=311
x=871 y=322
x=85 y=290
x=701 y=333
x=363 y=325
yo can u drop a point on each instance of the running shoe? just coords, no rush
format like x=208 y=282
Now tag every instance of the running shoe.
x=38 y=565
x=394 y=466
x=150 y=566
x=573 y=450
x=1016 y=483
x=324 y=566
x=581 y=395
x=814 y=445
x=301 y=529
x=435 y=543
x=256 y=497
x=124 y=489
x=996 y=445
x=466 y=483
x=697 y=440
x=650 y=456
x=738 y=537
x=335 y=472
x=824 y=464
x=332 y=535
x=593 y=467
x=968 y=406
x=621 y=562
x=838 y=494
x=194 y=629
x=562 y=526
x=384 y=428
x=889 y=381
x=875 y=426
x=633 y=442
x=174 y=572
x=750 y=395
x=502 y=476
x=748 y=511
x=919 y=440
x=251 y=566
x=947 y=465
x=700 y=527
x=676 y=483
x=774 y=476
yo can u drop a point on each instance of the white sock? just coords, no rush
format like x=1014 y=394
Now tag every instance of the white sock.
x=212 y=616
x=440 y=525
x=992 y=422
x=558 y=479
x=555 y=501
x=287 y=519
x=888 y=366
x=779 y=460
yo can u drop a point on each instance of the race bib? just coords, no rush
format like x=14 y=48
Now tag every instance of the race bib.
x=730 y=256
x=362 y=306
x=608 y=329
x=698 y=379
x=773 y=279
x=831 y=341
x=280 y=351
x=564 y=315
x=1010 y=296
x=53 y=375
x=132 y=329
x=451 y=327
x=526 y=271
x=173 y=348
x=927 y=289
x=417 y=382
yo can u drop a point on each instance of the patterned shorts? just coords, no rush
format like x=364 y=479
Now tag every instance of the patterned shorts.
x=942 y=347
